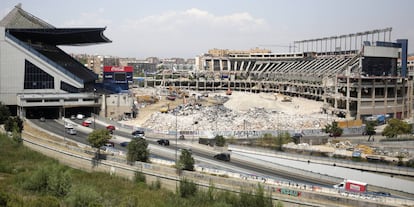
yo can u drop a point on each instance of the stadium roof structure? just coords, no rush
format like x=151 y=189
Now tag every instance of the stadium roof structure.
x=61 y=36
x=38 y=35
x=19 y=18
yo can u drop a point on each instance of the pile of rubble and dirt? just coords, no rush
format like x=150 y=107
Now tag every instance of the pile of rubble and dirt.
x=239 y=111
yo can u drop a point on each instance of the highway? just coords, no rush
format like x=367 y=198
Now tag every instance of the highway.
x=203 y=157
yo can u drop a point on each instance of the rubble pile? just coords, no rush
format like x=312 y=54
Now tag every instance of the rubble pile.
x=220 y=118
x=208 y=111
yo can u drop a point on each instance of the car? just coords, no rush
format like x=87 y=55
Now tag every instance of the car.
x=164 y=142
x=80 y=116
x=68 y=125
x=86 y=124
x=71 y=131
x=110 y=144
x=138 y=134
x=42 y=119
x=385 y=194
x=223 y=156
x=73 y=117
x=124 y=144
x=110 y=128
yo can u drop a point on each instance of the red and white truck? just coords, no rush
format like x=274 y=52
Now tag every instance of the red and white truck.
x=352 y=185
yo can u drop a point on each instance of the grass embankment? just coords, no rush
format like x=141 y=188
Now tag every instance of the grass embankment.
x=28 y=178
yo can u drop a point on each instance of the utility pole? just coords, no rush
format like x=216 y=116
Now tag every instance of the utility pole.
x=94 y=101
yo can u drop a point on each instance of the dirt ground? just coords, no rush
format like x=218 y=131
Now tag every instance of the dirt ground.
x=239 y=111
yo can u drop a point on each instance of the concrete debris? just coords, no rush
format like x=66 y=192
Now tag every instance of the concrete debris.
x=220 y=118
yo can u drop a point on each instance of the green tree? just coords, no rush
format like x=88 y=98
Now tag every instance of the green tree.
x=220 y=140
x=333 y=129
x=4 y=113
x=281 y=139
x=13 y=124
x=137 y=151
x=370 y=129
x=98 y=138
x=396 y=127
x=186 y=161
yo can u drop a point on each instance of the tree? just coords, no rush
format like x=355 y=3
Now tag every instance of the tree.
x=333 y=129
x=220 y=141
x=4 y=113
x=186 y=161
x=13 y=124
x=98 y=138
x=281 y=139
x=370 y=129
x=396 y=127
x=137 y=150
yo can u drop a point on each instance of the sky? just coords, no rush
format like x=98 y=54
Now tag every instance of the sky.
x=188 y=28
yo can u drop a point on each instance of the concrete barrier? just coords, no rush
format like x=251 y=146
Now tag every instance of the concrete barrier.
x=169 y=178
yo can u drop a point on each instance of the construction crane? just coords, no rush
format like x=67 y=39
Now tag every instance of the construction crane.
x=273 y=45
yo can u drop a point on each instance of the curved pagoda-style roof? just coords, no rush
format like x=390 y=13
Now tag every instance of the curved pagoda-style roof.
x=61 y=36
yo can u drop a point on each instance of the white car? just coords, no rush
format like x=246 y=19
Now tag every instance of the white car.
x=80 y=116
x=68 y=125
x=71 y=131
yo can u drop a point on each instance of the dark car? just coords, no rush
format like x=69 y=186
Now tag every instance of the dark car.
x=223 y=156
x=385 y=194
x=164 y=142
x=124 y=144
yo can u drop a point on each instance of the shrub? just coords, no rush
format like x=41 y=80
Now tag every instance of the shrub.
x=220 y=141
x=83 y=195
x=139 y=177
x=48 y=201
x=187 y=188
x=52 y=179
x=155 y=185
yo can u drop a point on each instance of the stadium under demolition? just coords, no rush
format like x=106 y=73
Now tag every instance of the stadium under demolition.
x=355 y=75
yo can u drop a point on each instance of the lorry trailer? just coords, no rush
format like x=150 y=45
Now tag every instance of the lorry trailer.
x=352 y=185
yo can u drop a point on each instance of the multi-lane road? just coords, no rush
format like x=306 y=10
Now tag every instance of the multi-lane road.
x=204 y=157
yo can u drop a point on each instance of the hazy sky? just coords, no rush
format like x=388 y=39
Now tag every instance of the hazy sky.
x=187 y=28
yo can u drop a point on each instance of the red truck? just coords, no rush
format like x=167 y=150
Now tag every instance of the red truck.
x=352 y=185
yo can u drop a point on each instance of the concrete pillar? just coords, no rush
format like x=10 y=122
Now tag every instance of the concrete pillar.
x=348 y=96
x=386 y=97
x=359 y=90
x=395 y=99
x=373 y=97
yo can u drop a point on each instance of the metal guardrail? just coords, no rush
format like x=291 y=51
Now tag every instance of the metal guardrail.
x=401 y=170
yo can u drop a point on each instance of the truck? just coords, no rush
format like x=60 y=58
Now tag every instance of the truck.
x=352 y=186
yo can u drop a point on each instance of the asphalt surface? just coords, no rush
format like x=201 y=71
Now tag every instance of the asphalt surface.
x=58 y=128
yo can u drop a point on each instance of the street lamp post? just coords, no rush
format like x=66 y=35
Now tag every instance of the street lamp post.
x=94 y=101
x=176 y=139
